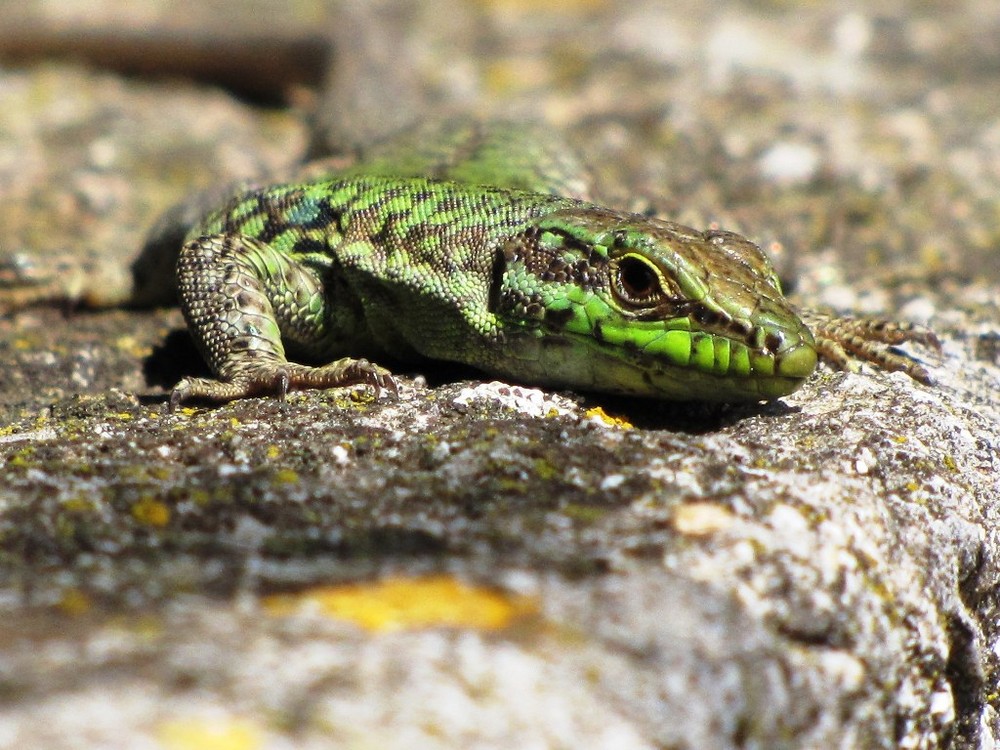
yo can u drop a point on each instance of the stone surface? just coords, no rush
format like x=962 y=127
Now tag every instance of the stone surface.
x=817 y=572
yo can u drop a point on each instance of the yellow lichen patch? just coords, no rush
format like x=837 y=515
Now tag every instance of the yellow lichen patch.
x=23 y=458
x=545 y=470
x=584 y=513
x=206 y=734
x=702 y=519
x=397 y=604
x=74 y=602
x=151 y=512
x=512 y=76
x=599 y=414
x=273 y=452
x=286 y=476
x=200 y=496
x=79 y=504
x=130 y=345
x=159 y=472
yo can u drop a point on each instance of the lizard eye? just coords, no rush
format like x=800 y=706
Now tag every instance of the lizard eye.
x=636 y=282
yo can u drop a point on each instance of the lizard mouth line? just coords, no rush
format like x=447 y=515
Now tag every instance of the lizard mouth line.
x=763 y=353
x=713 y=369
x=713 y=355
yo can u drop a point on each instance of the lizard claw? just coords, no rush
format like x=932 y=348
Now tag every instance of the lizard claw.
x=283 y=384
x=871 y=340
x=376 y=377
x=278 y=380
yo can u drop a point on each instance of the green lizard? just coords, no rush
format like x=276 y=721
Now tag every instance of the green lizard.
x=467 y=247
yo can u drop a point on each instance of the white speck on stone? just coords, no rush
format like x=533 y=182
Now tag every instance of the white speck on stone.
x=521 y=582
x=42 y=435
x=441 y=451
x=612 y=481
x=787 y=518
x=739 y=42
x=851 y=35
x=531 y=402
x=103 y=153
x=655 y=33
x=914 y=128
x=919 y=309
x=731 y=46
x=789 y=163
x=849 y=671
x=249 y=533
x=341 y=456
x=865 y=461
x=943 y=705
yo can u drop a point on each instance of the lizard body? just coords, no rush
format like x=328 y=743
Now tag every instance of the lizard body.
x=520 y=278
x=530 y=286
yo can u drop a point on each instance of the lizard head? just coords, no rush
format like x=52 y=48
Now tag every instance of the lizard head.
x=618 y=302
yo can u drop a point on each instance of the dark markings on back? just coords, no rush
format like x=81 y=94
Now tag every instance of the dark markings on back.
x=309 y=246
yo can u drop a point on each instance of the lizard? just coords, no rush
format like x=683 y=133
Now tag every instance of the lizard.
x=476 y=245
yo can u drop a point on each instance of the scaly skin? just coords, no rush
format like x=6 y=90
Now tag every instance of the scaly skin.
x=529 y=286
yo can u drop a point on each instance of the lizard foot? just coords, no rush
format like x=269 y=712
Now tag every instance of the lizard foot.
x=840 y=340
x=279 y=379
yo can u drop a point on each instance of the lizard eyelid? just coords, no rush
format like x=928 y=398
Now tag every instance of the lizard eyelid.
x=636 y=282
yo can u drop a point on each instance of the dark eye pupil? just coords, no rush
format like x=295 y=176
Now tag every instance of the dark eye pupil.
x=637 y=279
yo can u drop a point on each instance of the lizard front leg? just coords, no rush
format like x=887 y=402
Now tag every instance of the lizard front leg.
x=241 y=298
